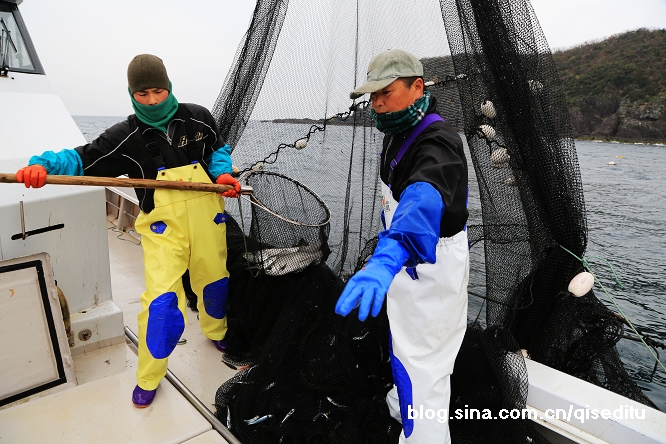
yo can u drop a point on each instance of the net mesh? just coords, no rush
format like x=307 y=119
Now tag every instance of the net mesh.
x=290 y=225
x=311 y=156
x=313 y=376
x=500 y=384
x=529 y=187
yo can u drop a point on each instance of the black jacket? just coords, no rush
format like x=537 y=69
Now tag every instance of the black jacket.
x=435 y=157
x=124 y=148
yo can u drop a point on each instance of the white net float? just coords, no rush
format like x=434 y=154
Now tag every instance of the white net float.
x=487 y=132
x=535 y=85
x=581 y=284
x=499 y=157
x=488 y=109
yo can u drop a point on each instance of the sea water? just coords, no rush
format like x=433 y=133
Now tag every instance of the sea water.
x=626 y=219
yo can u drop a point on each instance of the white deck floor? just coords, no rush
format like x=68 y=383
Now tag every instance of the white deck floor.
x=99 y=409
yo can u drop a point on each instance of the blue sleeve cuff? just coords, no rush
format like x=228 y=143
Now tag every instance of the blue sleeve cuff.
x=219 y=161
x=416 y=223
x=66 y=162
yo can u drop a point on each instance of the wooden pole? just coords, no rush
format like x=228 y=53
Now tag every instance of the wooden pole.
x=130 y=183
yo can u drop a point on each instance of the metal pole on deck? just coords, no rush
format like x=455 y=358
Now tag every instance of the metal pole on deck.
x=207 y=414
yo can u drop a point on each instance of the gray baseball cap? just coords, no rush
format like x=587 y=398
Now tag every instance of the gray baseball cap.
x=387 y=66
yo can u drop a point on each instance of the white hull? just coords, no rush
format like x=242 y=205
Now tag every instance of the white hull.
x=37 y=121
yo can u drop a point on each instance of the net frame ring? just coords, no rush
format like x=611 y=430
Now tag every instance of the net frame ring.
x=254 y=200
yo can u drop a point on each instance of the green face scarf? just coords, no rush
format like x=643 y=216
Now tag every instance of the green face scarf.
x=157 y=116
x=404 y=120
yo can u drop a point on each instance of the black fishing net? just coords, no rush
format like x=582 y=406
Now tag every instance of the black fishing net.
x=579 y=337
x=310 y=375
x=311 y=156
x=500 y=385
x=533 y=212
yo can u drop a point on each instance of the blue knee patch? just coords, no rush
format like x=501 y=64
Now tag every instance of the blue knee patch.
x=220 y=218
x=165 y=325
x=404 y=385
x=215 y=297
x=158 y=227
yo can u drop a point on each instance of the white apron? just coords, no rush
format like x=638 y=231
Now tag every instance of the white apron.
x=427 y=317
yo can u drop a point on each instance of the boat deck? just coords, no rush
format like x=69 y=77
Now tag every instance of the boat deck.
x=99 y=408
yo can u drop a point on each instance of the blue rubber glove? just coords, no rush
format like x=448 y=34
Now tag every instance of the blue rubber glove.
x=368 y=287
x=411 y=240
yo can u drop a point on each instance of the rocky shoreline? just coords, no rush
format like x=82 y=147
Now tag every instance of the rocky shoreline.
x=592 y=118
x=614 y=119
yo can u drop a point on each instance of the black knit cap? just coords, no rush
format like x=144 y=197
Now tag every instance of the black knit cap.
x=146 y=71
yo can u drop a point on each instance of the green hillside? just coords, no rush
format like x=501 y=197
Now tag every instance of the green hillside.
x=629 y=66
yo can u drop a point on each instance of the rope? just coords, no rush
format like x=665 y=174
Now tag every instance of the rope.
x=586 y=265
x=314 y=128
x=652 y=343
x=116 y=230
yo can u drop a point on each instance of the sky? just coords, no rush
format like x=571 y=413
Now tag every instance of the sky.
x=86 y=45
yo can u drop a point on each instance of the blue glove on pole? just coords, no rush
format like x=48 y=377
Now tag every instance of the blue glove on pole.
x=411 y=239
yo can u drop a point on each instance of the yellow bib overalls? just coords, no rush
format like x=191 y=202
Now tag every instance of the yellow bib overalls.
x=186 y=230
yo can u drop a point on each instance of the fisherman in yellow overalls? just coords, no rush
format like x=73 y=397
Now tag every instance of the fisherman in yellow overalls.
x=180 y=230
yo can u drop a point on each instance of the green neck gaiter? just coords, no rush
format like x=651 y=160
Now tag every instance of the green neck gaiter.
x=157 y=116
x=404 y=120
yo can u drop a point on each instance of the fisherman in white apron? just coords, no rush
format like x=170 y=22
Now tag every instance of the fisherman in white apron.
x=180 y=230
x=421 y=262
